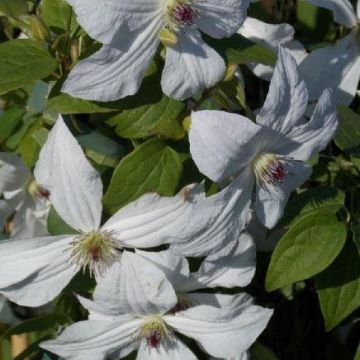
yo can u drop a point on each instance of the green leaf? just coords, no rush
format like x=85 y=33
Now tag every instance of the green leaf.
x=153 y=166
x=58 y=16
x=57 y=226
x=13 y=8
x=357 y=355
x=9 y=121
x=338 y=287
x=348 y=134
x=262 y=352
x=23 y=62
x=239 y=50
x=150 y=119
x=41 y=323
x=308 y=247
x=324 y=198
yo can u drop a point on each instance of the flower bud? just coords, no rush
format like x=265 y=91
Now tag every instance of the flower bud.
x=167 y=37
x=39 y=29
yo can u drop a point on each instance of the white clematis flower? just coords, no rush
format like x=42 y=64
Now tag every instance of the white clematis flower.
x=129 y=31
x=271 y=36
x=23 y=196
x=37 y=269
x=272 y=153
x=336 y=66
x=140 y=312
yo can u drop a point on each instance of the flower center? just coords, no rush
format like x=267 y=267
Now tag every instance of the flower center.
x=270 y=168
x=154 y=331
x=179 y=13
x=95 y=250
x=38 y=191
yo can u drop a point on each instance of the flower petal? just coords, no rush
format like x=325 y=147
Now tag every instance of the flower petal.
x=95 y=340
x=222 y=143
x=30 y=219
x=112 y=72
x=13 y=172
x=150 y=221
x=115 y=23
x=267 y=34
x=312 y=137
x=190 y=66
x=110 y=298
x=36 y=270
x=147 y=288
x=344 y=13
x=287 y=99
x=75 y=186
x=272 y=198
x=219 y=18
x=232 y=266
x=221 y=332
x=170 y=349
x=175 y=267
x=216 y=220
x=336 y=67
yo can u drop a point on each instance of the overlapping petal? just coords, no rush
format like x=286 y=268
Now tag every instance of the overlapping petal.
x=190 y=66
x=221 y=144
x=219 y=18
x=287 y=98
x=75 y=186
x=36 y=269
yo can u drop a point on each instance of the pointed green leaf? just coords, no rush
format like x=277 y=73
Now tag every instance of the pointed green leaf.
x=338 y=287
x=23 y=62
x=308 y=247
x=153 y=166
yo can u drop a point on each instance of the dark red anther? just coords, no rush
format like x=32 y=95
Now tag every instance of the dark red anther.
x=279 y=173
x=95 y=253
x=184 y=14
x=44 y=193
x=154 y=339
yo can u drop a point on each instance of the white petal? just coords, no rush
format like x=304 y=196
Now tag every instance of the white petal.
x=147 y=288
x=216 y=220
x=316 y=134
x=222 y=143
x=113 y=72
x=94 y=339
x=219 y=18
x=269 y=35
x=232 y=266
x=170 y=349
x=175 y=267
x=271 y=200
x=150 y=221
x=75 y=186
x=30 y=219
x=115 y=23
x=218 y=333
x=336 y=67
x=234 y=304
x=358 y=9
x=344 y=13
x=190 y=66
x=36 y=270
x=287 y=99
x=13 y=172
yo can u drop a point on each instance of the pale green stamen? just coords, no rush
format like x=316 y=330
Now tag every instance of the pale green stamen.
x=94 y=250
